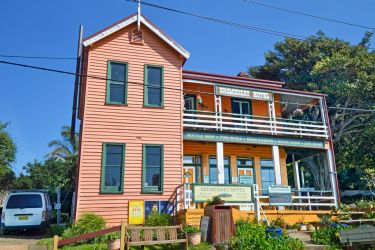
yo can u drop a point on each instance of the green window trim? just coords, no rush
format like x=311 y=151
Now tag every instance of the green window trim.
x=107 y=96
x=152 y=189
x=112 y=189
x=145 y=92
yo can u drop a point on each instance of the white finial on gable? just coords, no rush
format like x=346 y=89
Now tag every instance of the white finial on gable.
x=139 y=15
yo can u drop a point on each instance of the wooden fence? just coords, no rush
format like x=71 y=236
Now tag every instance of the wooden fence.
x=60 y=243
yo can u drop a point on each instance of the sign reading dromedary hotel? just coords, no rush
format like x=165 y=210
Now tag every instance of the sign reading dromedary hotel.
x=243 y=93
x=228 y=193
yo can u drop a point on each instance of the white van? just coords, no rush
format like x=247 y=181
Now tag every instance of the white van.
x=26 y=209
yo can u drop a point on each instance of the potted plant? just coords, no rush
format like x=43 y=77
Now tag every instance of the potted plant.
x=302 y=226
x=193 y=234
x=113 y=241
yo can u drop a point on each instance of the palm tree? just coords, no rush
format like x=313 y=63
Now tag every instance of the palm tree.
x=65 y=147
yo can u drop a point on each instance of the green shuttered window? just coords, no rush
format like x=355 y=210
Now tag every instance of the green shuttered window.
x=153 y=168
x=112 y=175
x=117 y=75
x=154 y=83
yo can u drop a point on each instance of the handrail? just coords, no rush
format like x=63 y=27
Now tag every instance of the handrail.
x=217 y=121
x=243 y=115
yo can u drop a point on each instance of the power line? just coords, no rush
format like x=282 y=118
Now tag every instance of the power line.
x=230 y=23
x=309 y=15
x=226 y=22
x=163 y=87
x=38 y=57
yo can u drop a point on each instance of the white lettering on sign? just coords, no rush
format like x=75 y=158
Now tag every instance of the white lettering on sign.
x=261 y=95
x=243 y=93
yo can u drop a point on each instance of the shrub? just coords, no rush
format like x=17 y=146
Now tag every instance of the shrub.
x=216 y=200
x=57 y=229
x=155 y=219
x=190 y=229
x=329 y=235
x=88 y=223
x=278 y=223
x=201 y=246
x=253 y=236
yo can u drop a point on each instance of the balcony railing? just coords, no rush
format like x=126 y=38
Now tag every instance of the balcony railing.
x=230 y=122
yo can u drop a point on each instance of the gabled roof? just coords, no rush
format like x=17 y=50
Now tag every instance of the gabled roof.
x=132 y=19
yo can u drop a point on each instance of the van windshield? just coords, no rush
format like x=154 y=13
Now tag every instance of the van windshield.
x=25 y=201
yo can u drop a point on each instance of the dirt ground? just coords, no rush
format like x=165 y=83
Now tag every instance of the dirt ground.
x=22 y=241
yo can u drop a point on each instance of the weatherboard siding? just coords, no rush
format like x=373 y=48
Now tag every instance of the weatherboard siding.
x=132 y=124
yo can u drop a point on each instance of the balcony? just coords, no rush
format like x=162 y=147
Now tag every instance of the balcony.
x=235 y=123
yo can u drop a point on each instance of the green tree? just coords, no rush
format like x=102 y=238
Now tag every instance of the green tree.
x=64 y=147
x=332 y=66
x=8 y=151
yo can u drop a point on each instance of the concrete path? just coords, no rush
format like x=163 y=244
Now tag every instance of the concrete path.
x=306 y=239
x=21 y=241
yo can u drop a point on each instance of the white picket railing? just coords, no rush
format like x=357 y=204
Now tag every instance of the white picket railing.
x=305 y=199
x=230 y=122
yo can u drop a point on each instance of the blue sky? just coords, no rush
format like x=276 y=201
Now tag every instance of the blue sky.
x=37 y=104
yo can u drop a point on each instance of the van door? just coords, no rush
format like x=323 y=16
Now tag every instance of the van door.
x=24 y=210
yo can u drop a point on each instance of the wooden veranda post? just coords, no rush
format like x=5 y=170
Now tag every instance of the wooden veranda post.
x=122 y=235
x=55 y=242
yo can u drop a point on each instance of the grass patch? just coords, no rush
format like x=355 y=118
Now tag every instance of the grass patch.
x=202 y=246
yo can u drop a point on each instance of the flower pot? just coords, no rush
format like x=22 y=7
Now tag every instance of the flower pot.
x=194 y=239
x=302 y=227
x=114 y=244
x=274 y=231
x=310 y=227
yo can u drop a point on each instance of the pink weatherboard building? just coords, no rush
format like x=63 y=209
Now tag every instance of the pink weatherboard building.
x=155 y=133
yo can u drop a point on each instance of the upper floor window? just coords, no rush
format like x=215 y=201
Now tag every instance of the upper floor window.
x=112 y=175
x=154 y=81
x=117 y=74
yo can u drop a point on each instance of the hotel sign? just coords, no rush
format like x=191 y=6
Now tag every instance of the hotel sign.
x=243 y=93
x=253 y=139
x=280 y=195
x=227 y=192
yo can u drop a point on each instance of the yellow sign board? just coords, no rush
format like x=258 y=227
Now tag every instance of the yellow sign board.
x=227 y=192
x=136 y=212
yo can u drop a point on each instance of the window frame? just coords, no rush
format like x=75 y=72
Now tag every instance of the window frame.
x=108 y=89
x=150 y=190
x=110 y=189
x=145 y=92
x=217 y=177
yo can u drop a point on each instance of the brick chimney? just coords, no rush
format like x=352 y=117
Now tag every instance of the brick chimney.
x=243 y=74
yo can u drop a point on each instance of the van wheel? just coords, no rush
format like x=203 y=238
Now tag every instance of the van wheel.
x=5 y=232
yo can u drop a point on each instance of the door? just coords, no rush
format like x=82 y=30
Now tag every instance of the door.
x=246 y=176
x=241 y=109
x=189 y=102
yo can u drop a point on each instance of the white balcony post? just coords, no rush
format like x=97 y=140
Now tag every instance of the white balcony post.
x=276 y=163
x=296 y=174
x=332 y=174
x=220 y=162
x=218 y=114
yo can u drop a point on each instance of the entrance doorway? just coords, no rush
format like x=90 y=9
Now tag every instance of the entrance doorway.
x=245 y=168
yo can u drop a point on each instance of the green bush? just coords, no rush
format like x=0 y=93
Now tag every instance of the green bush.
x=155 y=219
x=57 y=229
x=190 y=229
x=253 y=236
x=88 y=223
x=278 y=223
x=216 y=200
x=328 y=236
x=201 y=246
